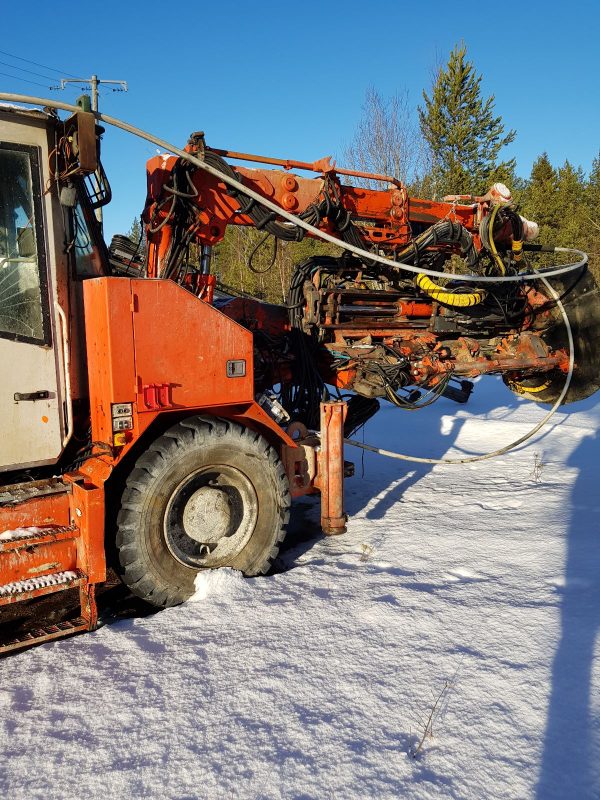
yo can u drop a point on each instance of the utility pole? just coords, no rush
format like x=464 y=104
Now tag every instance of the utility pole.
x=94 y=82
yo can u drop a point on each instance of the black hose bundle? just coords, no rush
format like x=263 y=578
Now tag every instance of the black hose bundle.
x=443 y=232
x=301 y=397
x=330 y=207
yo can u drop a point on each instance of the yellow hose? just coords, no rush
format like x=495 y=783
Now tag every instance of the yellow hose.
x=521 y=389
x=457 y=299
x=497 y=259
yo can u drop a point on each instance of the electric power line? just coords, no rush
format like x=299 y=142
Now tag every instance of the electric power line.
x=25 y=80
x=36 y=64
x=29 y=71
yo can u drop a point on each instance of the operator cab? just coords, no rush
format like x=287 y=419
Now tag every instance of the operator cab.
x=47 y=245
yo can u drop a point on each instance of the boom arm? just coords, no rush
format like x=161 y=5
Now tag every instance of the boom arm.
x=389 y=219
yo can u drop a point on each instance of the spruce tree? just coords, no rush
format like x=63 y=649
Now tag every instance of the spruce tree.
x=135 y=232
x=464 y=135
x=591 y=214
x=540 y=199
x=571 y=206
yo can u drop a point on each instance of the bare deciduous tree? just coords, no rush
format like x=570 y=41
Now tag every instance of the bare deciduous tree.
x=387 y=140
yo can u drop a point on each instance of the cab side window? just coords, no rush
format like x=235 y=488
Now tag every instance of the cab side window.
x=23 y=299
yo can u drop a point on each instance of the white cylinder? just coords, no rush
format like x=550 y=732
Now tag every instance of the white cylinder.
x=530 y=229
x=500 y=193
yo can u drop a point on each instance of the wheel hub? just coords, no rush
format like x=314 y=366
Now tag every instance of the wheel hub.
x=207 y=515
x=210 y=516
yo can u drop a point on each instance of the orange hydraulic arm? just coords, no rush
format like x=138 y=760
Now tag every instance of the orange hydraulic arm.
x=385 y=218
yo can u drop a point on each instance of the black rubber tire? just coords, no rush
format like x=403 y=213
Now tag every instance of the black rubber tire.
x=149 y=568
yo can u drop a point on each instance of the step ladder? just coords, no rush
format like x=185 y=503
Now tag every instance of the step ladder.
x=51 y=541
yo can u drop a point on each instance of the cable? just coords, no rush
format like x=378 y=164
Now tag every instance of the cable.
x=268 y=268
x=28 y=71
x=541 y=275
x=36 y=64
x=25 y=80
x=298 y=221
x=512 y=445
x=495 y=254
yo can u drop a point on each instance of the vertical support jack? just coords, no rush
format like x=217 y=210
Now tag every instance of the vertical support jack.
x=89 y=611
x=331 y=467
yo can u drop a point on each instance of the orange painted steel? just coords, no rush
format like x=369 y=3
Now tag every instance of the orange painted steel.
x=53 y=510
x=183 y=369
x=88 y=511
x=330 y=478
x=389 y=213
x=321 y=165
x=22 y=560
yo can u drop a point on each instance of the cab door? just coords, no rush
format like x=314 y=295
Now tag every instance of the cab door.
x=32 y=421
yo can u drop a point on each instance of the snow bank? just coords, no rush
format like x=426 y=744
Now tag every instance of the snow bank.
x=218 y=582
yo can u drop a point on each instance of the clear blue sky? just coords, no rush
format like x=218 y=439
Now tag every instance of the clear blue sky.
x=289 y=79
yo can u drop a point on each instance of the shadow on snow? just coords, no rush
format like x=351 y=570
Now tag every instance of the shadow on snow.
x=571 y=751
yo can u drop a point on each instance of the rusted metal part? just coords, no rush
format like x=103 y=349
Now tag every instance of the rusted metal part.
x=89 y=609
x=330 y=478
x=21 y=492
x=37 y=554
x=18 y=595
x=27 y=537
x=527 y=351
x=45 y=634
x=322 y=165
x=357 y=309
x=46 y=510
x=45 y=559
x=486 y=366
x=300 y=461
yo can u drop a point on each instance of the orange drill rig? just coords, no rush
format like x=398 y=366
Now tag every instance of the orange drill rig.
x=145 y=415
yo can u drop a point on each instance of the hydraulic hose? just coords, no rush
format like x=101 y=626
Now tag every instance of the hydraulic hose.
x=282 y=213
x=512 y=445
x=455 y=299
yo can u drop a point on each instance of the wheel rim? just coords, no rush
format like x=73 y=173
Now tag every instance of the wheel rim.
x=210 y=516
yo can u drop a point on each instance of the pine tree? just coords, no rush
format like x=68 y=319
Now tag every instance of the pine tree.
x=571 y=206
x=464 y=135
x=540 y=199
x=591 y=217
x=566 y=206
x=135 y=231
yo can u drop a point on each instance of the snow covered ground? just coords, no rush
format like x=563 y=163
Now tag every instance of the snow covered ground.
x=478 y=585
